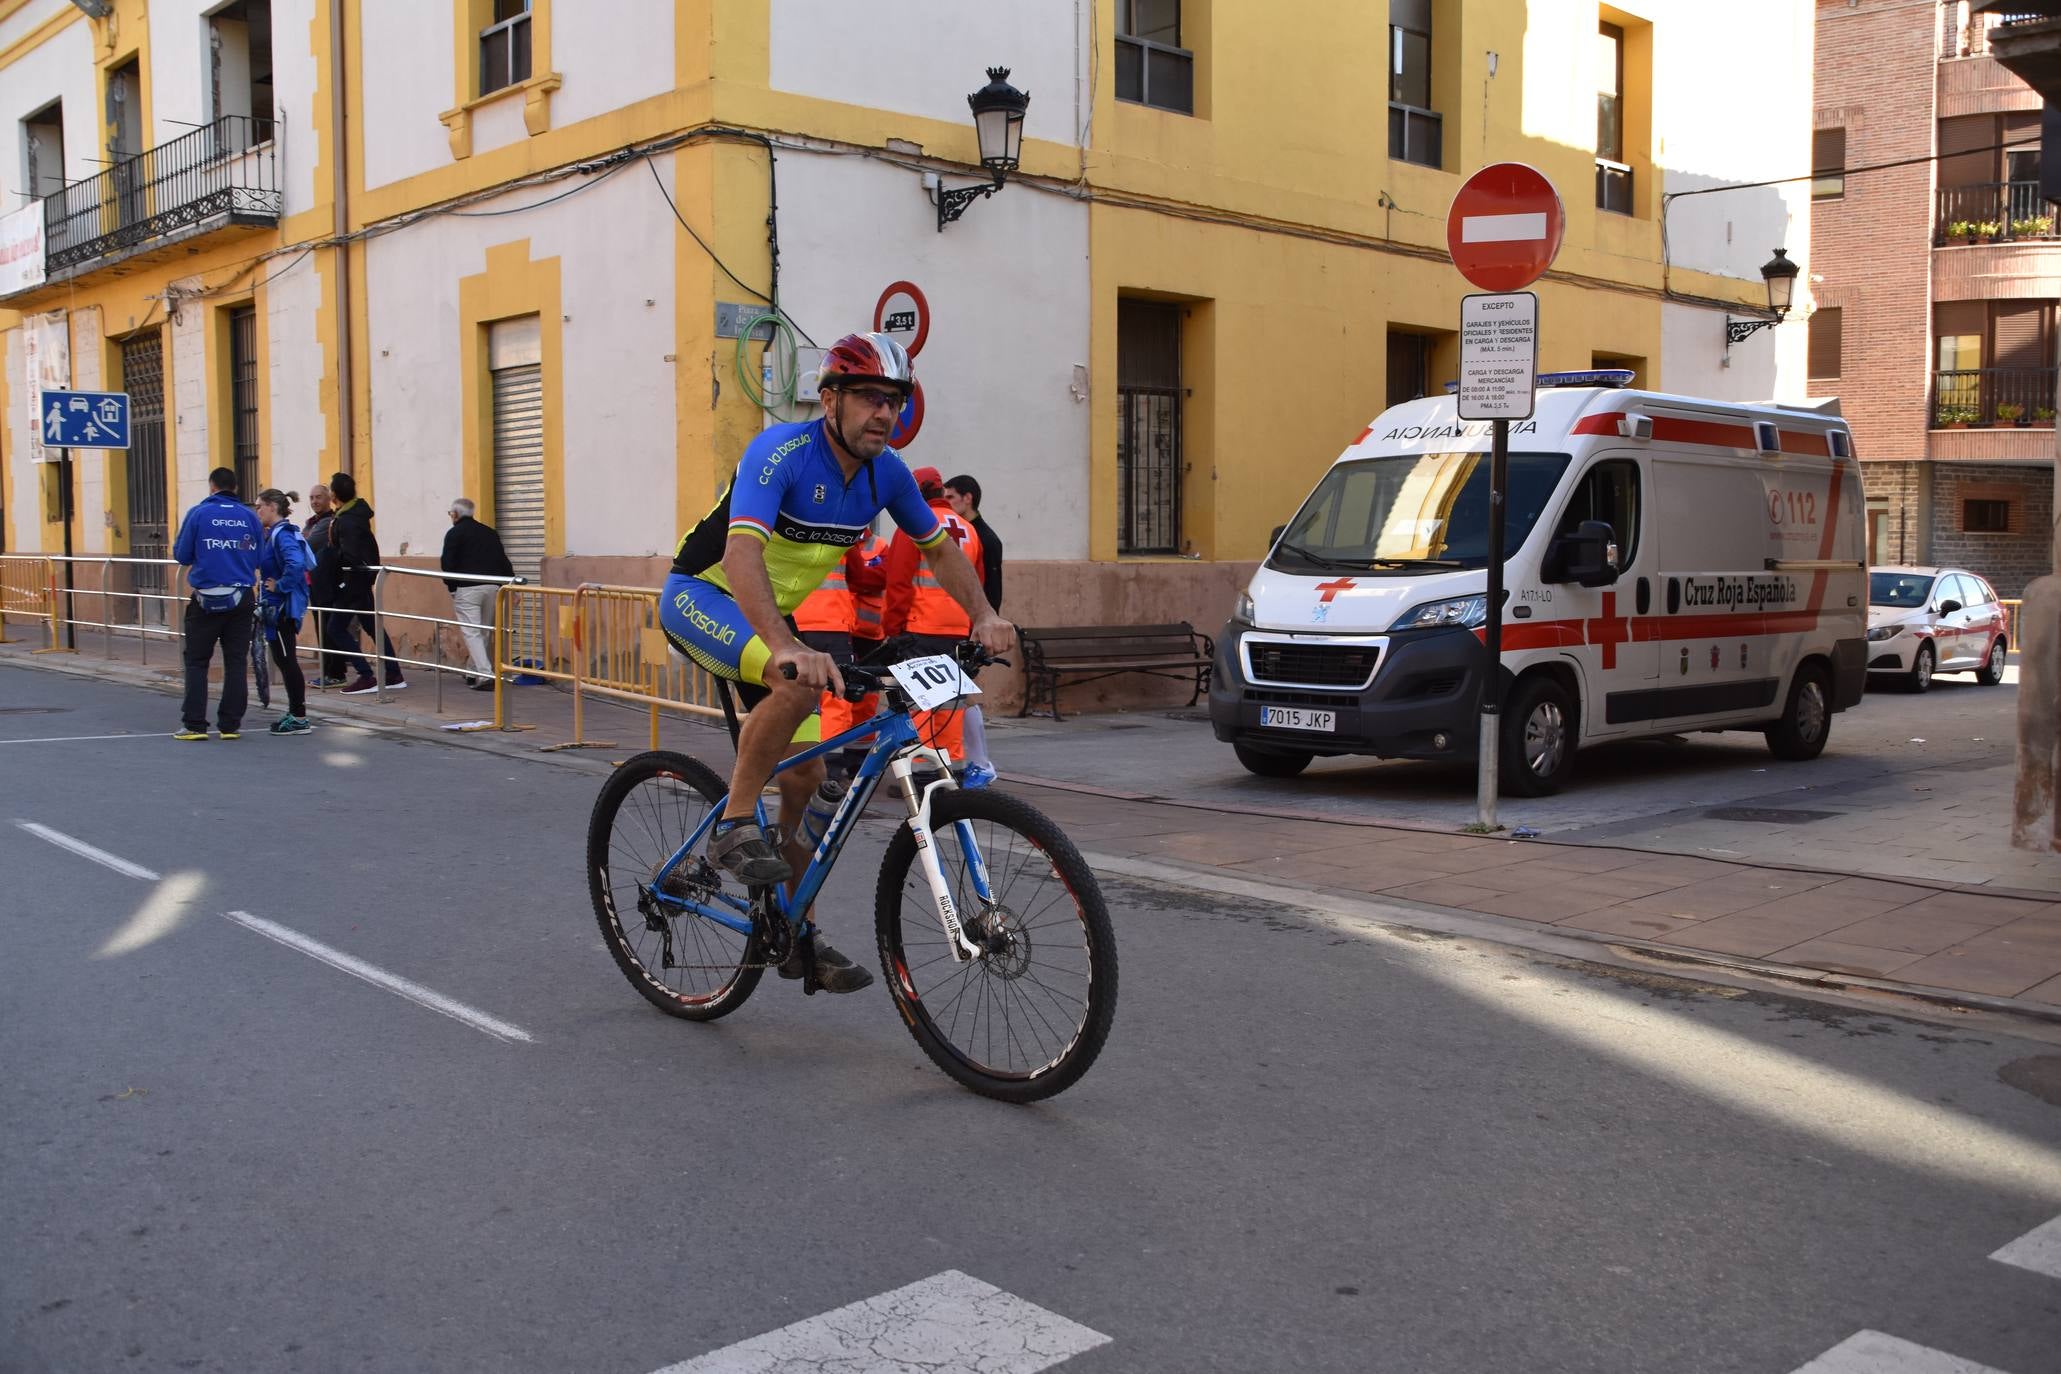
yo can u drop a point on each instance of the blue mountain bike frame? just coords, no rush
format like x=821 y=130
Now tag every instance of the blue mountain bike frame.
x=896 y=747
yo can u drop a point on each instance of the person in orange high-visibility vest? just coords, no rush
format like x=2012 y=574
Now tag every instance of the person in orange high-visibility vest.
x=826 y=621
x=917 y=605
x=865 y=573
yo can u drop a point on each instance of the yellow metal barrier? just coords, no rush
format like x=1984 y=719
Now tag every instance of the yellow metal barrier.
x=622 y=654
x=604 y=641
x=28 y=591
x=2011 y=620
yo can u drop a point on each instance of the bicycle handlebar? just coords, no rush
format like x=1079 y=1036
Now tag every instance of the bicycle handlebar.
x=860 y=681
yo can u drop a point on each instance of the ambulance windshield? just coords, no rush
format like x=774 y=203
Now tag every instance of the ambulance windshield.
x=1406 y=512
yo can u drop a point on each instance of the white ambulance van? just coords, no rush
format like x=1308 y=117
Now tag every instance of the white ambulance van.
x=1671 y=565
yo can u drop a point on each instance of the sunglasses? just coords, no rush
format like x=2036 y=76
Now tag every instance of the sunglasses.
x=874 y=399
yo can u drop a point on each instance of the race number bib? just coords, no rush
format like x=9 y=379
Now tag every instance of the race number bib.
x=931 y=682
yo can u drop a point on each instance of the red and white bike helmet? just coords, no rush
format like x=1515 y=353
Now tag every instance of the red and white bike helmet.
x=867 y=358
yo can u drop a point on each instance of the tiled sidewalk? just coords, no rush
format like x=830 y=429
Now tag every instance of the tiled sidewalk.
x=1938 y=941
x=1951 y=941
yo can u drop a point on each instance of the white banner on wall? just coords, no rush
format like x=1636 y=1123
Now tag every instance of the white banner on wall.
x=21 y=249
x=48 y=344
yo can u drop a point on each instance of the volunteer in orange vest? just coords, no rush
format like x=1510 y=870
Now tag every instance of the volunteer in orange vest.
x=918 y=605
x=829 y=622
x=865 y=573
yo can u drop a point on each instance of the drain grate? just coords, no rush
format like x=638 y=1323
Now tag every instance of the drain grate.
x=1766 y=815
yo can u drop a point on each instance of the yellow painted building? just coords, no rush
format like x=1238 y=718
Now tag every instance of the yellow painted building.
x=522 y=275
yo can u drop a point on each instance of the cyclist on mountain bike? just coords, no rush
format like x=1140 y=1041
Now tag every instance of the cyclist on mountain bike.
x=803 y=495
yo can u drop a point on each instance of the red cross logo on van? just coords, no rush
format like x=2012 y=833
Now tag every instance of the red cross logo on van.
x=1610 y=630
x=1331 y=589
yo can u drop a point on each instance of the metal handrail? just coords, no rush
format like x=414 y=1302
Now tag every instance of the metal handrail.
x=2014 y=210
x=1972 y=396
x=227 y=169
x=380 y=615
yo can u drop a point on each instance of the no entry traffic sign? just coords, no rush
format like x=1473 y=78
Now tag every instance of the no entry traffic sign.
x=1505 y=227
x=903 y=315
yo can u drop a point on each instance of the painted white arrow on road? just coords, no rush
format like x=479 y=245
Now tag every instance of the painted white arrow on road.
x=949 y=1321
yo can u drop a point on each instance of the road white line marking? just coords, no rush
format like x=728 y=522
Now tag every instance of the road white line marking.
x=1502 y=228
x=947 y=1321
x=380 y=978
x=1871 y=1352
x=87 y=851
x=2038 y=1250
x=68 y=739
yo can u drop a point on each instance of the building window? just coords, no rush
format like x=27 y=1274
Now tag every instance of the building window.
x=1826 y=323
x=1989 y=180
x=240 y=66
x=1149 y=464
x=1409 y=366
x=1985 y=517
x=1828 y=164
x=504 y=46
x=243 y=397
x=42 y=137
x=1613 y=174
x=1993 y=363
x=1152 y=68
x=1414 y=130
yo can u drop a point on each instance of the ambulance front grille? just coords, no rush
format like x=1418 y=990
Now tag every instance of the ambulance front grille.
x=1313 y=665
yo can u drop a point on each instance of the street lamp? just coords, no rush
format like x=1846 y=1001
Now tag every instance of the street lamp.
x=998 y=109
x=1780 y=275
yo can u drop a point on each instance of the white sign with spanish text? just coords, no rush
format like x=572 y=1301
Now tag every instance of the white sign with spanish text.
x=1499 y=355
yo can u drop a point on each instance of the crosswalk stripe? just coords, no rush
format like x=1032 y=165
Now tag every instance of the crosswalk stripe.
x=1871 y=1352
x=947 y=1321
x=2038 y=1250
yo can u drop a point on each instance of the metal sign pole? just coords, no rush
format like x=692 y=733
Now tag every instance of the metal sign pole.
x=64 y=512
x=1492 y=683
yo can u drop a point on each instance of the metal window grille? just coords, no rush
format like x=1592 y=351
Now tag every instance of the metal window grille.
x=1148 y=468
x=243 y=397
x=143 y=377
x=504 y=47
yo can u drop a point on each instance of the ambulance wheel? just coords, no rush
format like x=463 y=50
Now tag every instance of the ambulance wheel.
x=1269 y=764
x=1538 y=738
x=1806 y=719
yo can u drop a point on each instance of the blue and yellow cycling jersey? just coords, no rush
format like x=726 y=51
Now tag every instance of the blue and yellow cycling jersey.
x=790 y=493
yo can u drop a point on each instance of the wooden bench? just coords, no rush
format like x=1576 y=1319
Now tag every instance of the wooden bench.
x=1087 y=653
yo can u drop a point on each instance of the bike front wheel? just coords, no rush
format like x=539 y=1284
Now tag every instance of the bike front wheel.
x=1027 y=1018
x=684 y=964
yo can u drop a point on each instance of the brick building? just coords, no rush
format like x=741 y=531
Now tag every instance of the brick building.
x=1936 y=285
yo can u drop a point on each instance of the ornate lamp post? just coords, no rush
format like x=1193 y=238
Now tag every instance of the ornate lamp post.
x=998 y=110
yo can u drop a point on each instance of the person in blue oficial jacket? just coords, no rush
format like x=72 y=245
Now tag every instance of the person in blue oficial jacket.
x=287 y=566
x=218 y=548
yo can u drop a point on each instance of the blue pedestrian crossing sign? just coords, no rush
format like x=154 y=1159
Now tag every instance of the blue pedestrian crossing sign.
x=84 y=419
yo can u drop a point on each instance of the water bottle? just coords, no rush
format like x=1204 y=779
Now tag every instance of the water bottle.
x=815 y=821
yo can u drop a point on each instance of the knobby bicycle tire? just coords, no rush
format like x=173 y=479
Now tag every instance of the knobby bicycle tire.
x=1030 y=989
x=659 y=788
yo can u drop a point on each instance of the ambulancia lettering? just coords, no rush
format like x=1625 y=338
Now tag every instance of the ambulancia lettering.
x=1476 y=430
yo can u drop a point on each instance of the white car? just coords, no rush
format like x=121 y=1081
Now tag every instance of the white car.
x=1923 y=621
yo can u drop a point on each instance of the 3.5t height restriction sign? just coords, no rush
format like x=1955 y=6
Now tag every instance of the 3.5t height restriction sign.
x=1499 y=355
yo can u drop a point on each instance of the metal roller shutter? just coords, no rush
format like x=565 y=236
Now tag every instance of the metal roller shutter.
x=519 y=465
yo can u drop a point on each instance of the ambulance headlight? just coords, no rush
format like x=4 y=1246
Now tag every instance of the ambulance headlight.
x=1466 y=611
x=1245 y=610
x=1881 y=632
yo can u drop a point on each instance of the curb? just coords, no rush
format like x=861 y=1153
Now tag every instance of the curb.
x=1587 y=946
x=1281 y=814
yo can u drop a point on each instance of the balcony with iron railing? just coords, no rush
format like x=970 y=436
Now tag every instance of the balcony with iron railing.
x=1963 y=33
x=1994 y=398
x=1992 y=212
x=224 y=173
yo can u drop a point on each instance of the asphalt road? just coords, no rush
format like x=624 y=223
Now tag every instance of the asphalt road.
x=1312 y=1143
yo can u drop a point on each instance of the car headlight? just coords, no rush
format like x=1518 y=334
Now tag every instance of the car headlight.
x=1881 y=632
x=1244 y=610
x=1467 y=611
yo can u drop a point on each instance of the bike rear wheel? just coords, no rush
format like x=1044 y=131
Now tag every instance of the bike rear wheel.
x=1028 y=1018
x=683 y=964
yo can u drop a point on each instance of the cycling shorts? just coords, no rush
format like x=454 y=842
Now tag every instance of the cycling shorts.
x=705 y=623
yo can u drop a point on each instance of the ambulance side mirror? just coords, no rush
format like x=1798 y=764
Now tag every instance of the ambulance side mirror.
x=1588 y=557
x=1275 y=537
